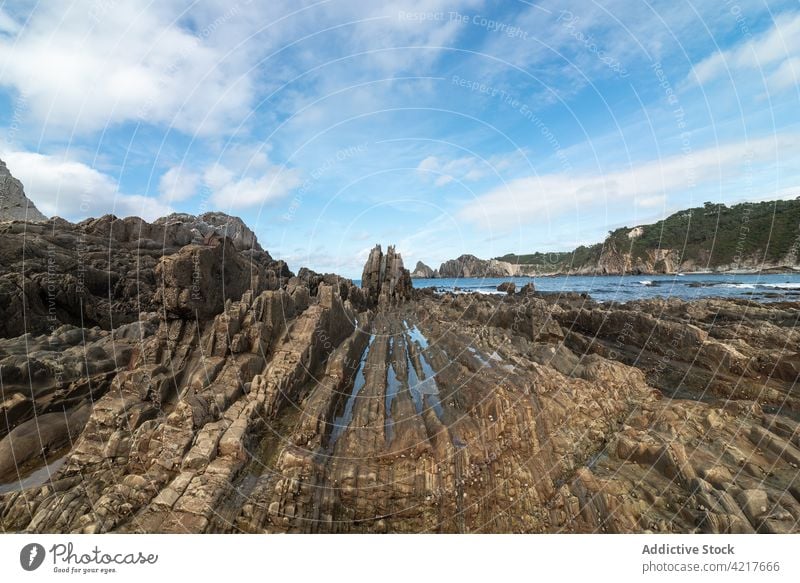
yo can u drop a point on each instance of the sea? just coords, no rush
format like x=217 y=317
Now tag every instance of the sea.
x=624 y=288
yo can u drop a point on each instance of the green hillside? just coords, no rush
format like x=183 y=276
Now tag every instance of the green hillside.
x=711 y=235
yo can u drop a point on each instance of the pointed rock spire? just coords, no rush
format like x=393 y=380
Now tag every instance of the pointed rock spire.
x=385 y=280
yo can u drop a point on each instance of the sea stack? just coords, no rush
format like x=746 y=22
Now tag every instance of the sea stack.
x=422 y=271
x=385 y=280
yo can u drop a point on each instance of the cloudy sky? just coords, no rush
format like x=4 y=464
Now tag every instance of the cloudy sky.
x=445 y=128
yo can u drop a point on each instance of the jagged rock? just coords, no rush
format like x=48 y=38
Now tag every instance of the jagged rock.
x=14 y=205
x=508 y=287
x=208 y=225
x=317 y=406
x=103 y=271
x=198 y=280
x=422 y=271
x=471 y=266
x=384 y=279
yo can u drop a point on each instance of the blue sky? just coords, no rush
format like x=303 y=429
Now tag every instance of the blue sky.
x=444 y=128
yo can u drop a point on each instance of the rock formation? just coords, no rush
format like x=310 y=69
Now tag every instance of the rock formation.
x=207 y=225
x=106 y=271
x=471 y=266
x=748 y=237
x=14 y=205
x=384 y=279
x=235 y=399
x=287 y=412
x=508 y=287
x=422 y=271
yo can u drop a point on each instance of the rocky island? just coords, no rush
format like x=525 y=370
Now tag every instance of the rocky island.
x=174 y=377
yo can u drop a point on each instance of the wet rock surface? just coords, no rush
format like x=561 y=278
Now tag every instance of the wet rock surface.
x=310 y=405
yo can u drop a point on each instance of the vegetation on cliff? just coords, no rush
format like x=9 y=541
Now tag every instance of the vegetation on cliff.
x=713 y=236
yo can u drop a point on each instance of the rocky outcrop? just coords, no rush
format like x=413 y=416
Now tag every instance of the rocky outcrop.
x=471 y=266
x=14 y=205
x=105 y=271
x=214 y=224
x=318 y=406
x=422 y=271
x=384 y=280
x=508 y=287
x=615 y=261
x=198 y=280
x=293 y=413
x=745 y=237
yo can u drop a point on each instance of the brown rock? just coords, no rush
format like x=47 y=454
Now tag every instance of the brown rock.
x=384 y=280
x=508 y=287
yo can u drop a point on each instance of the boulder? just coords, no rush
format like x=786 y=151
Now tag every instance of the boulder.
x=508 y=287
x=197 y=281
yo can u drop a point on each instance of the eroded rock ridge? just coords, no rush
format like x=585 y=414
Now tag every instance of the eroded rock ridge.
x=307 y=404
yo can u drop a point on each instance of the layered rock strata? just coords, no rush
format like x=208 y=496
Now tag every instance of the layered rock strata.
x=385 y=280
x=318 y=406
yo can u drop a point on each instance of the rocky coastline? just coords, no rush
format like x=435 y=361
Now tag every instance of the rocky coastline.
x=611 y=264
x=188 y=382
x=173 y=377
x=748 y=238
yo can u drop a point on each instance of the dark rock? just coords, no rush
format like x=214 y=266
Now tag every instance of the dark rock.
x=197 y=281
x=204 y=227
x=507 y=286
x=384 y=280
x=103 y=271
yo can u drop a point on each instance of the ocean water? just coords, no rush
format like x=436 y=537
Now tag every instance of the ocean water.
x=624 y=288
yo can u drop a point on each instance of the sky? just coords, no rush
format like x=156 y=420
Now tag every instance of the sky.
x=443 y=128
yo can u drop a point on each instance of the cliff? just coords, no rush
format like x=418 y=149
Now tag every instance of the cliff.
x=422 y=271
x=745 y=237
x=14 y=205
x=471 y=266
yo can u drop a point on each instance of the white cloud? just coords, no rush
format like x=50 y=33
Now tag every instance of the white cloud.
x=7 y=24
x=538 y=198
x=774 y=54
x=178 y=184
x=235 y=191
x=90 y=64
x=73 y=190
x=242 y=177
x=654 y=201
x=466 y=168
x=786 y=76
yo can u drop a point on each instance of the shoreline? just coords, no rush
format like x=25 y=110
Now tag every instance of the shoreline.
x=766 y=271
